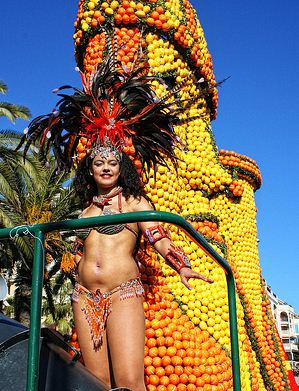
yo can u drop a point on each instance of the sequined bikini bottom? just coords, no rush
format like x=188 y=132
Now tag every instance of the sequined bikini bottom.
x=98 y=305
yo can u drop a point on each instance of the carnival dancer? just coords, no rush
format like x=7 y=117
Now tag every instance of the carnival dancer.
x=115 y=108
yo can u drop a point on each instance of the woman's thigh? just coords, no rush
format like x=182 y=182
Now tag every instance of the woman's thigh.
x=126 y=333
x=95 y=361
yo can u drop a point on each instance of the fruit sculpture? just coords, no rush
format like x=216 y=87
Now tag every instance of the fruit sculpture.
x=187 y=344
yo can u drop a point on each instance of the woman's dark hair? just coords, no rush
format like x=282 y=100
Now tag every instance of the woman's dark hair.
x=129 y=180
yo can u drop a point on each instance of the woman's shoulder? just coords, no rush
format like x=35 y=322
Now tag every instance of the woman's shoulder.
x=85 y=212
x=138 y=204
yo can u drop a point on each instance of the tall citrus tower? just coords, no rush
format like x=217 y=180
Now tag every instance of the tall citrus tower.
x=187 y=344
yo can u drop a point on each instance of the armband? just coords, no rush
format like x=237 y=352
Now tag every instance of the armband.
x=77 y=248
x=156 y=233
x=176 y=258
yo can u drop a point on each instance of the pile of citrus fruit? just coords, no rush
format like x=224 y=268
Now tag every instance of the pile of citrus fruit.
x=187 y=344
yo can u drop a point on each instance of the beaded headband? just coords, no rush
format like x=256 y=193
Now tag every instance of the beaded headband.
x=105 y=149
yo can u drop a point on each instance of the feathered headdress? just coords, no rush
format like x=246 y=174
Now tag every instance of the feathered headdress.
x=117 y=105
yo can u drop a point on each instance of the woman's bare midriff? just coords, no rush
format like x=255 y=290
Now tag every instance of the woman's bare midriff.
x=107 y=260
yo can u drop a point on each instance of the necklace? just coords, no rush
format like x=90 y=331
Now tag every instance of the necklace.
x=104 y=199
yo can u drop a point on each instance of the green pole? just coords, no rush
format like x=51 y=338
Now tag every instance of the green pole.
x=35 y=313
x=233 y=330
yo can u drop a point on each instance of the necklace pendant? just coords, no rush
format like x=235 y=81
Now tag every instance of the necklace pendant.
x=103 y=199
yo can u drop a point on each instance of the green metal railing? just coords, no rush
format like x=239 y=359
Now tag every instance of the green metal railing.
x=38 y=231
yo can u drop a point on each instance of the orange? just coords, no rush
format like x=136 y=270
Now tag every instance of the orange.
x=196 y=371
x=155 y=15
x=159 y=333
x=177 y=335
x=169 y=369
x=214 y=379
x=181 y=353
x=206 y=377
x=192 y=378
x=160 y=371
x=188 y=370
x=200 y=382
x=184 y=378
x=153 y=352
x=169 y=341
x=167 y=332
x=176 y=360
x=151 y=342
x=166 y=360
x=156 y=362
x=150 y=21
x=190 y=352
x=162 y=350
x=150 y=370
x=188 y=361
x=154 y=380
x=147 y=361
x=160 y=340
x=171 y=351
x=160 y=10
x=125 y=4
x=174 y=379
x=179 y=370
x=126 y=19
x=164 y=380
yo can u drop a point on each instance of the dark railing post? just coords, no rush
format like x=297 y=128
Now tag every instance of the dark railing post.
x=35 y=313
x=233 y=322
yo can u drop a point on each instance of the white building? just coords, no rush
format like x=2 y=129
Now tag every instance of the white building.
x=287 y=322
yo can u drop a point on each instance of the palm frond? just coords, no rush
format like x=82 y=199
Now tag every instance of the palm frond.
x=7 y=183
x=50 y=300
x=3 y=87
x=14 y=112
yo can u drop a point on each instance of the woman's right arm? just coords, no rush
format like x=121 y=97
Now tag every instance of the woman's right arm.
x=174 y=256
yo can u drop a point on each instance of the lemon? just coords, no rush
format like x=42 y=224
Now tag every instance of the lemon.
x=114 y=4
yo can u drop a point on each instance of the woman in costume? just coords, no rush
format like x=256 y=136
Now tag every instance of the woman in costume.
x=114 y=109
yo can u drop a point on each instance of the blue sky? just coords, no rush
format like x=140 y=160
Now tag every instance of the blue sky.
x=255 y=43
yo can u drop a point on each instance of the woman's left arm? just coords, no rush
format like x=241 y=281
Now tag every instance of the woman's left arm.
x=159 y=238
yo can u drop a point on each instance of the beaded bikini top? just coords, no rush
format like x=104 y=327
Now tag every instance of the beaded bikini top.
x=108 y=229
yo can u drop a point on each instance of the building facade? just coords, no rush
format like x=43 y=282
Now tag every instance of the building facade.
x=287 y=322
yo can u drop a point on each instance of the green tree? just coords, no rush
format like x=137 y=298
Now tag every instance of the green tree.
x=31 y=193
x=12 y=111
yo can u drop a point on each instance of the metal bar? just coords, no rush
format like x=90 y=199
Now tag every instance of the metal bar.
x=151 y=216
x=35 y=313
x=74 y=224
x=233 y=325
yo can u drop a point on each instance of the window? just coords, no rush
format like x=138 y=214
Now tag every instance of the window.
x=284 y=317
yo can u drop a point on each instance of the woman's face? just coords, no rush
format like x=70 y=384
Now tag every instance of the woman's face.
x=105 y=171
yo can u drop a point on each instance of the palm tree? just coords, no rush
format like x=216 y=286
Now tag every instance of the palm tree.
x=31 y=193
x=12 y=111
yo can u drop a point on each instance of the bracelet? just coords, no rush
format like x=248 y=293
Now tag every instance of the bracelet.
x=176 y=258
x=156 y=233
x=77 y=248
